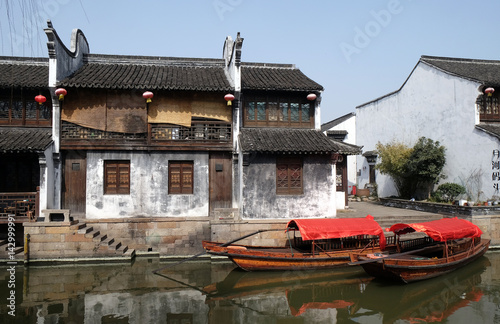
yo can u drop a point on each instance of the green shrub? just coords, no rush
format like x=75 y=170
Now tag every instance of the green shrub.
x=448 y=191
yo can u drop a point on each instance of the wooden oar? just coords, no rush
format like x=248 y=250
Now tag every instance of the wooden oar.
x=224 y=244
x=392 y=255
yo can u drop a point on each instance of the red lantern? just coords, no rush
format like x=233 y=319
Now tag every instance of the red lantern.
x=489 y=91
x=311 y=96
x=40 y=99
x=147 y=95
x=60 y=93
x=229 y=98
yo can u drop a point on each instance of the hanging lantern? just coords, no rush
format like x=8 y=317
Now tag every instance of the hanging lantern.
x=311 y=96
x=489 y=91
x=147 y=95
x=229 y=98
x=40 y=99
x=60 y=93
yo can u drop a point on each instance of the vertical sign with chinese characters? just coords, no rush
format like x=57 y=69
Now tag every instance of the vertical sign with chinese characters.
x=495 y=170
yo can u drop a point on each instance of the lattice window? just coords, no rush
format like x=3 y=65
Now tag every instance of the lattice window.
x=489 y=107
x=284 y=111
x=289 y=176
x=278 y=111
x=273 y=111
x=261 y=110
x=180 y=177
x=305 y=112
x=20 y=108
x=17 y=109
x=116 y=177
x=4 y=109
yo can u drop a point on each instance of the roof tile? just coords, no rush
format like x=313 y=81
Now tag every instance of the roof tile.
x=275 y=77
x=483 y=71
x=24 y=72
x=14 y=139
x=285 y=140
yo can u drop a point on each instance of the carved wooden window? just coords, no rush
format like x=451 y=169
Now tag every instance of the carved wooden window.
x=289 y=176
x=489 y=107
x=286 y=111
x=116 y=177
x=180 y=177
x=20 y=108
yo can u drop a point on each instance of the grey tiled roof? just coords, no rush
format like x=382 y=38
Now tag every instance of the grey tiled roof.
x=261 y=76
x=24 y=139
x=286 y=140
x=196 y=74
x=484 y=71
x=337 y=121
x=490 y=128
x=152 y=73
x=24 y=72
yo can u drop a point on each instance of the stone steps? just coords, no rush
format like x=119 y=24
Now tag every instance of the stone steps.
x=106 y=245
x=5 y=253
x=77 y=240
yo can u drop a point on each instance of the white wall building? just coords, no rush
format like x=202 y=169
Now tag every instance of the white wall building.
x=344 y=129
x=442 y=99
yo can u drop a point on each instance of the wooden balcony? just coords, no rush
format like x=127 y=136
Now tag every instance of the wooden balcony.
x=23 y=205
x=202 y=135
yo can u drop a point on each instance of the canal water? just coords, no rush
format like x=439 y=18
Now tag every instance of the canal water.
x=205 y=292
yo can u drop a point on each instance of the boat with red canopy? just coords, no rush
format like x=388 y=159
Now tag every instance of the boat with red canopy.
x=316 y=244
x=457 y=243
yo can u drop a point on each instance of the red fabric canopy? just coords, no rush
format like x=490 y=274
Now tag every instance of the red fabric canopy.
x=327 y=228
x=440 y=230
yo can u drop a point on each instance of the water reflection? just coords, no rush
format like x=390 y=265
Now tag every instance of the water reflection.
x=217 y=293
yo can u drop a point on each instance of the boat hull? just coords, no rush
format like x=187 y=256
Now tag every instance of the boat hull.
x=252 y=258
x=413 y=268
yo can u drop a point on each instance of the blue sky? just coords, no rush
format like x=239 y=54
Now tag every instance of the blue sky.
x=358 y=50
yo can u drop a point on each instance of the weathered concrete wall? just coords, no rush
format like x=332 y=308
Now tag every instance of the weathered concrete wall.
x=259 y=199
x=438 y=106
x=148 y=186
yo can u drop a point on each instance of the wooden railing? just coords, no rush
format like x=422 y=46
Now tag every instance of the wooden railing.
x=353 y=242
x=210 y=132
x=24 y=204
x=406 y=245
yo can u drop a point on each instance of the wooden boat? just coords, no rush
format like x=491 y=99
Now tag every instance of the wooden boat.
x=316 y=244
x=457 y=243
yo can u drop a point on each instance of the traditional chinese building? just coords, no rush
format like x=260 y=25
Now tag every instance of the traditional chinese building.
x=152 y=149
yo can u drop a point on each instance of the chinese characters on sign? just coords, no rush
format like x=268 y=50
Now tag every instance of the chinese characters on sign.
x=495 y=167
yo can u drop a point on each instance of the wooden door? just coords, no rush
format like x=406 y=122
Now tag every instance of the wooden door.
x=74 y=186
x=220 y=178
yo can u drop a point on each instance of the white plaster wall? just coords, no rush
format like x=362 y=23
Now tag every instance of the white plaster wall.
x=260 y=201
x=51 y=185
x=349 y=125
x=148 y=186
x=435 y=105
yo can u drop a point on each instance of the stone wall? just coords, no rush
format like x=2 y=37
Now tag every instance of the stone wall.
x=273 y=232
x=490 y=225
x=444 y=209
x=171 y=236
x=72 y=241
